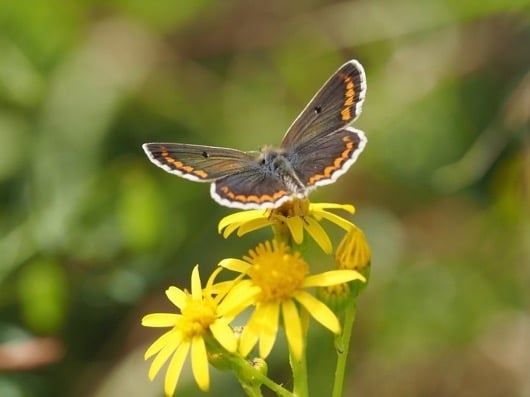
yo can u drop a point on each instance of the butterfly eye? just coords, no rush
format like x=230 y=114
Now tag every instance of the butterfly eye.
x=318 y=109
x=205 y=155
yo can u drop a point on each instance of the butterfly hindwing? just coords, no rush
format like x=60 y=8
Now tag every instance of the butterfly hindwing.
x=322 y=160
x=252 y=188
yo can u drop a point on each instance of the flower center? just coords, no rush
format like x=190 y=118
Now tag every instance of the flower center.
x=276 y=271
x=197 y=316
x=295 y=207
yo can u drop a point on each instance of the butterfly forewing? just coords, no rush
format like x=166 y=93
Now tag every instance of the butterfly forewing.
x=335 y=105
x=197 y=162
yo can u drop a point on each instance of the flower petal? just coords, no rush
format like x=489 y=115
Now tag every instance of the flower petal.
x=238 y=299
x=160 y=319
x=336 y=219
x=250 y=334
x=224 y=334
x=296 y=227
x=172 y=343
x=236 y=265
x=321 y=207
x=268 y=327
x=293 y=328
x=252 y=225
x=319 y=311
x=319 y=235
x=177 y=296
x=236 y=219
x=211 y=280
x=199 y=363
x=196 y=287
x=162 y=341
x=231 y=228
x=332 y=277
x=175 y=368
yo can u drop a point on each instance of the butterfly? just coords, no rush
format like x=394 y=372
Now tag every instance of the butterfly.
x=317 y=148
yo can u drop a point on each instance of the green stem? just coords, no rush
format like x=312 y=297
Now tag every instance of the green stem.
x=342 y=346
x=299 y=368
x=251 y=390
x=251 y=375
x=251 y=379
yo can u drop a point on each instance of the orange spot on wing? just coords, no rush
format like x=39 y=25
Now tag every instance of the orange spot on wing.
x=252 y=198
x=337 y=163
x=179 y=165
x=201 y=174
x=349 y=98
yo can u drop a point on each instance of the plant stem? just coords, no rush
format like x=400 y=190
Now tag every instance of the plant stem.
x=299 y=368
x=250 y=376
x=342 y=346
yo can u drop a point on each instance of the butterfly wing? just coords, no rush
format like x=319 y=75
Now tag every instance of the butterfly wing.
x=197 y=162
x=251 y=189
x=238 y=180
x=318 y=146
x=335 y=105
x=326 y=157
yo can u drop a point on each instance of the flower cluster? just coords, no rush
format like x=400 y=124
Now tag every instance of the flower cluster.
x=275 y=288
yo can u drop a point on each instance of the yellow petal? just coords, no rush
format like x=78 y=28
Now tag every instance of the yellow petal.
x=228 y=230
x=319 y=235
x=332 y=277
x=317 y=207
x=160 y=319
x=252 y=225
x=176 y=296
x=224 y=334
x=269 y=315
x=250 y=334
x=318 y=311
x=239 y=298
x=233 y=219
x=237 y=219
x=196 y=287
x=199 y=363
x=175 y=368
x=236 y=265
x=162 y=341
x=296 y=227
x=337 y=220
x=293 y=328
x=166 y=351
x=211 y=280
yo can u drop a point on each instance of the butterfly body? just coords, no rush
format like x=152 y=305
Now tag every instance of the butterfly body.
x=317 y=148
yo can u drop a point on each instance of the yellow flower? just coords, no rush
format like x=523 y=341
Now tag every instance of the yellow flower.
x=201 y=316
x=297 y=215
x=353 y=251
x=275 y=284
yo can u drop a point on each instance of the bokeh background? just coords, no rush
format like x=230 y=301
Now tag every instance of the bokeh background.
x=91 y=233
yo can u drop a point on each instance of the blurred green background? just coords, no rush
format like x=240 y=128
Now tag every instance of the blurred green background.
x=91 y=233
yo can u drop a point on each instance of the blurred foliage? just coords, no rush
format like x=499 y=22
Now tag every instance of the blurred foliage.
x=91 y=233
